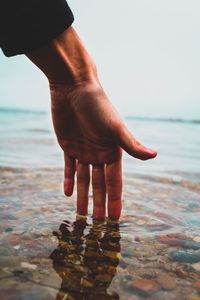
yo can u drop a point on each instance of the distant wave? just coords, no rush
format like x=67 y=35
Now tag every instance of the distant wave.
x=171 y=120
x=13 y=110
x=39 y=130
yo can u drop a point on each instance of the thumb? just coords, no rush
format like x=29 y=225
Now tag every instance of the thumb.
x=133 y=147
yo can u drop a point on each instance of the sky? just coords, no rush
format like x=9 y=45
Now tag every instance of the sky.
x=147 y=55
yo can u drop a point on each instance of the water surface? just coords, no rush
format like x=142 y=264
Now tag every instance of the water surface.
x=46 y=252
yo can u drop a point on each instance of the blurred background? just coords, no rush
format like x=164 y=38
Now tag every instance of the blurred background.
x=147 y=54
x=148 y=58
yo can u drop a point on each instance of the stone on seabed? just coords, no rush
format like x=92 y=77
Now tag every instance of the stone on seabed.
x=185 y=256
x=197 y=239
x=28 y=266
x=193 y=297
x=167 y=282
x=140 y=222
x=196 y=285
x=196 y=266
x=146 y=286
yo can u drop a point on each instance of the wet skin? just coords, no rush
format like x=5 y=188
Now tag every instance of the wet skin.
x=88 y=128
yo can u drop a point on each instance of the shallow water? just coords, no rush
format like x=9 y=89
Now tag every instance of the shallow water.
x=48 y=253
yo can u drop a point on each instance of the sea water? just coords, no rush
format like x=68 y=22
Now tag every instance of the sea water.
x=46 y=252
x=27 y=140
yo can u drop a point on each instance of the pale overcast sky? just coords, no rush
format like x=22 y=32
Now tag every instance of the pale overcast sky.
x=147 y=54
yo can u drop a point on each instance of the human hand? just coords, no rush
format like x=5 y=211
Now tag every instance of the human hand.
x=90 y=132
x=88 y=128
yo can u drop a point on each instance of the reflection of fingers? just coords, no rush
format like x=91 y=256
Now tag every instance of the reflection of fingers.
x=133 y=147
x=114 y=189
x=83 y=181
x=99 y=192
x=70 y=169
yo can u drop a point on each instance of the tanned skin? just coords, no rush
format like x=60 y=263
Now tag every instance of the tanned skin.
x=88 y=128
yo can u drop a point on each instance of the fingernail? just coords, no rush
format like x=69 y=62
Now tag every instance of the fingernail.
x=151 y=152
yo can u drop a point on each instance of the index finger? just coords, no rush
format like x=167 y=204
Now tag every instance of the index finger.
x=114 y=189
x=70 y=169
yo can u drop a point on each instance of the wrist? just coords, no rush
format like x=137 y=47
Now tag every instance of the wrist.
x=65 y=60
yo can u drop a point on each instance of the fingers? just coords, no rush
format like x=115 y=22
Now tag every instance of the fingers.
x=101 y=182
x=99 y=192
x=70 y=169
x=133 y=147
x=114 y=189
x=83 y=181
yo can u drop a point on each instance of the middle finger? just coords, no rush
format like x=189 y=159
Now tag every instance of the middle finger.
x=99 y=192
x=83 y=181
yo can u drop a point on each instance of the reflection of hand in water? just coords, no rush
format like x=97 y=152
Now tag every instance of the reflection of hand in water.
x=86 y=259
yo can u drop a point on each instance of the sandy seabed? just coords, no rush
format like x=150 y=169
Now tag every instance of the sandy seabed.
x=47 y=253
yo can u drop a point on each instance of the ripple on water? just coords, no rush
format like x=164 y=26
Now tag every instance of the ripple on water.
x=153 y=252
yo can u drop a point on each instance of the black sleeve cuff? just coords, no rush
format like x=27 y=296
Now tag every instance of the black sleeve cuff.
x=33 y=25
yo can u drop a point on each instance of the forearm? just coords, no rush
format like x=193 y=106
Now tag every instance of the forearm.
x=65 y=60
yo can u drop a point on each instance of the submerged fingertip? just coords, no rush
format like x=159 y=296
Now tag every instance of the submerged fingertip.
x=99 y=213
x=114 y=209
x=82 y=208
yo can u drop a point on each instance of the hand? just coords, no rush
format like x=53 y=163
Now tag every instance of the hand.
x=88 y=128
x=90 y=132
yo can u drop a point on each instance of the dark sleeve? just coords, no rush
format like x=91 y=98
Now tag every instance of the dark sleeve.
x=26 y=25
